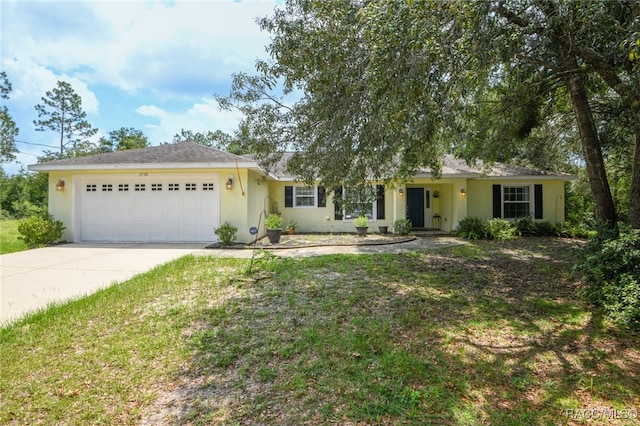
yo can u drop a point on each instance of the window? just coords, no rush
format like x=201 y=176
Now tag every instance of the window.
x=189 y=186
x=207 y=187
x=107 y=187
x=91 y=188
x=156 y=187
x=140 y=186
x=174 y=187
x=304 y=196
x=364 y=203
x=123 y=187
x=516 y=201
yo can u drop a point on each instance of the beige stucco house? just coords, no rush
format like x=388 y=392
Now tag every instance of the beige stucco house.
x=183 y=192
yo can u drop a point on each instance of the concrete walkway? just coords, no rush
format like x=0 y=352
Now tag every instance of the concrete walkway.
x=33 y=279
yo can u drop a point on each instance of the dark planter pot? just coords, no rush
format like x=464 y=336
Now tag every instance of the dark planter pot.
x=383 y=229
x=274 y=235
x=362 y=230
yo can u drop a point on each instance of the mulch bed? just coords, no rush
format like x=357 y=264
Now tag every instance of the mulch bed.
x=320 y=240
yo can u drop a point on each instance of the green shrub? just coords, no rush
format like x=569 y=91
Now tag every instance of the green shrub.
x=611 y=269
x=527 y=227
x=227 y=233
x=472 y=228
x=361 y=221
x=26 y=209
x=273 y=221
x=502 y=230
x=40 y=230
x=401 y=227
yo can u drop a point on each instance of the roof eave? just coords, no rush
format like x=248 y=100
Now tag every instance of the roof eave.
x=143 y=166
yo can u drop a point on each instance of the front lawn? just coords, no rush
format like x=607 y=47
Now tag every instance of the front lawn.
x=9 y=242
x=486 y=333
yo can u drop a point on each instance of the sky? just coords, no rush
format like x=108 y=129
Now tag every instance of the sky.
x=150 y=65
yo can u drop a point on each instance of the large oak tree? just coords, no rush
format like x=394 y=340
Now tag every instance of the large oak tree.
x=384 y=87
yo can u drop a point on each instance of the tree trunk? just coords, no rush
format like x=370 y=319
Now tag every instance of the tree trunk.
x=634 y=204
x=604 y=208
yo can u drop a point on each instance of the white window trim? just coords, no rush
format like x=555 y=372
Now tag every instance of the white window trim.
x=517 y=185
x=295 y=196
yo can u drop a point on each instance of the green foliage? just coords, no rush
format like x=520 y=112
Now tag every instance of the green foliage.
x=401 y=227
x=502 y=230
x=123 y=139
x=527 y=227
x=40 y=230
x=227 y=233
x=611 y=268
x=8 y=128
x=62 y=113
x=473 y=228
x=361 y=221
x=24 y=193
x=273 y=221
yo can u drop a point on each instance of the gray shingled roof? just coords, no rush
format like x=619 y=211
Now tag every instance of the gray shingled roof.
x=455 y=167
x=190 y=152
x=183 y=152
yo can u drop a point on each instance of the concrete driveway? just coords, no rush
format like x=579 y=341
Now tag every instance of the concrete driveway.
x=33 y=279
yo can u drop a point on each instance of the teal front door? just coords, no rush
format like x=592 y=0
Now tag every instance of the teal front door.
x=415 y=207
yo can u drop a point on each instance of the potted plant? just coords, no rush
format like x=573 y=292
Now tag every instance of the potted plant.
x=273 y=223
x=291 y=228
x=383 y=229
x=362 y=225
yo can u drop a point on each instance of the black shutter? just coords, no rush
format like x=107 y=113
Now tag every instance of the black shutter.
x=288 y=196
x=322 y=196
x=337 y=206
x=537 y=191
x=379 y=201
x=497 y=201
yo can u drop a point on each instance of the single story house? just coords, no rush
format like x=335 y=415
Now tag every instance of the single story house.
x=182 y=192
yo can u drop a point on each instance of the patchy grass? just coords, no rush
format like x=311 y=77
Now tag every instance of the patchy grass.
x=9 y=242
x=487 y=333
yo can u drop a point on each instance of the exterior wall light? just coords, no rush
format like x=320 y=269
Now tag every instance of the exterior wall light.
x=60 y=185
x=401 y=192
x=463 y=192
x=229 y=184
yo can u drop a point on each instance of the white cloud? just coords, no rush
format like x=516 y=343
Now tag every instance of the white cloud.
x=202 y=116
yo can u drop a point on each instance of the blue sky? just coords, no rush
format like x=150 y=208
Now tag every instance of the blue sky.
x=150 y=65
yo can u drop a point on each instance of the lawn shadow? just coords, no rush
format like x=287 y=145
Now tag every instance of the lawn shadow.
x=486 y=333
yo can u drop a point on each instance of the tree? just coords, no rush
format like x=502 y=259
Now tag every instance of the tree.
x=123 y=139
x=62 y=113
x=388 y=86
x=216 y=139
x=8 y=128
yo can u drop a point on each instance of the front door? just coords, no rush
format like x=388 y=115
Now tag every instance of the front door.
x=415 y=207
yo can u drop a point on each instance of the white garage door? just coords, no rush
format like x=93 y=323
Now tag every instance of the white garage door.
x=153 y=208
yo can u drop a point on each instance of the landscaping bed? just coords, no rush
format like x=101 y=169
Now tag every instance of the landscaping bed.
x=319 y=240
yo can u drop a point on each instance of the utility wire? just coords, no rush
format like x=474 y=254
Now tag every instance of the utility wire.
x=33 y=143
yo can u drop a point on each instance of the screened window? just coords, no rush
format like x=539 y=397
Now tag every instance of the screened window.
x=516 y=201
x=304 y=196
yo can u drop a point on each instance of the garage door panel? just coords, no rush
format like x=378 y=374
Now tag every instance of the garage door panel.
x=133 y=212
